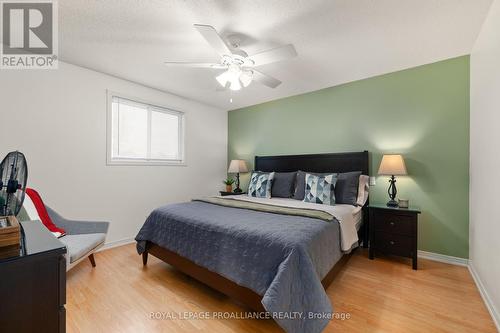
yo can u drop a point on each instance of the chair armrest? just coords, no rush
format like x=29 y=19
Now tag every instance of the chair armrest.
x=73 y=227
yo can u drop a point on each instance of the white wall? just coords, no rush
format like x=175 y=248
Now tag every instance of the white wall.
x=57 y=118
x=485 y=159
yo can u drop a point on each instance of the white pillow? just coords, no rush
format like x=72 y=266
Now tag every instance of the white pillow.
x=363 y=189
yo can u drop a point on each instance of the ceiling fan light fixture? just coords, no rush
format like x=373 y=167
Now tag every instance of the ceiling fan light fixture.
x=246 y=78
x=223 y=79
x=235 y=84
x=233 y=78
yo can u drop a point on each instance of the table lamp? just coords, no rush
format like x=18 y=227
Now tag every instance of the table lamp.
x=237 y=167
x=392 y=165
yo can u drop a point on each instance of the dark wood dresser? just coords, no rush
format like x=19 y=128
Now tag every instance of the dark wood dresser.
x=33 y=284
x=394 y=231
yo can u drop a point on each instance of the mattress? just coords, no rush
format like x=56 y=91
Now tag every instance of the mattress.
x=357 y=214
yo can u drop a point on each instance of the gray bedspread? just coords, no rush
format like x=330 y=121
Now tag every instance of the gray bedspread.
x=281 y=257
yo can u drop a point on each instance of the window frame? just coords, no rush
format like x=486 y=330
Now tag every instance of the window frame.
x=110 y=160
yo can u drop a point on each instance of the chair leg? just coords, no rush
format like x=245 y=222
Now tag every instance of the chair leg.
x=144 y=258
x=92 y=260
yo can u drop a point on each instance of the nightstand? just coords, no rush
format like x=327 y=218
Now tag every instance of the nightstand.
x=224 y=193
x=393 y=231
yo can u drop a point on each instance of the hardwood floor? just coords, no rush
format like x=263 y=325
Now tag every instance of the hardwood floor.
x=383 y=295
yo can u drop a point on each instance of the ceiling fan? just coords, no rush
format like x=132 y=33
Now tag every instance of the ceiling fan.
x=238 y=65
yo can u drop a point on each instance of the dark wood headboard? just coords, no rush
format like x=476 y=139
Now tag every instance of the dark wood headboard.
x=332 y=162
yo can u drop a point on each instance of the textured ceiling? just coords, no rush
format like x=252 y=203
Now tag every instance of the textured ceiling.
x=337 y=40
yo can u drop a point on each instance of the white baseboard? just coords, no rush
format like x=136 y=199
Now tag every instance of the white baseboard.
x=120 y=242
x=495 y=314
x=443 y=258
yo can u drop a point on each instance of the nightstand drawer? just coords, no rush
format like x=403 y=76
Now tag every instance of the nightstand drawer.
x=394 y=244
x=394 y=223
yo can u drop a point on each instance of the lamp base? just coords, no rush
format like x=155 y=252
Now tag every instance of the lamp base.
x=392 y=191
x=237 y=189
x=392 y=203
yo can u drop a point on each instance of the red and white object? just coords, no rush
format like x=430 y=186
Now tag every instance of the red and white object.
x=35 y=208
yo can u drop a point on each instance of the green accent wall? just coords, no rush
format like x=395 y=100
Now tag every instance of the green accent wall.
x=422 y=113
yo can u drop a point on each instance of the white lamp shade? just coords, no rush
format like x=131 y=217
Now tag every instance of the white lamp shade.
x=246 y=78
x=392 y=165
x=235 y=84
x=237 y=166
x=223 y=78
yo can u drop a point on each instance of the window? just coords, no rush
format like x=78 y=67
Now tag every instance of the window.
x=140 y=133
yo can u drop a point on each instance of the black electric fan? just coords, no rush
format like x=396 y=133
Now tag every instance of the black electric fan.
x=13 y=177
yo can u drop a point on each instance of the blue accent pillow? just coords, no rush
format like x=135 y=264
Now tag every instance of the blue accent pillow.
x=346 y=188
x=320 y=189
x=283 y=184
x=260 y=184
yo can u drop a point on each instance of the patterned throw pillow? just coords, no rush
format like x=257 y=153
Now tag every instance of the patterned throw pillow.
x=320 y=189
x=260 y=184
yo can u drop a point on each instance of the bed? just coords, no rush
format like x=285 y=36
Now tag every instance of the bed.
x=273 y=256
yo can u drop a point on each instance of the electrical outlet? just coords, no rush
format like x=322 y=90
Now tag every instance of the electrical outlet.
x=373 y=181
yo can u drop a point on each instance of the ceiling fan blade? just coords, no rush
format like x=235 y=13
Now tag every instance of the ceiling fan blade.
x=274 y=55
x=194 y=65
x=265 y=79
x=213 y=38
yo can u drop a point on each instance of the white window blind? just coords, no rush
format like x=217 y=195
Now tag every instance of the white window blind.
x=141 y=133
